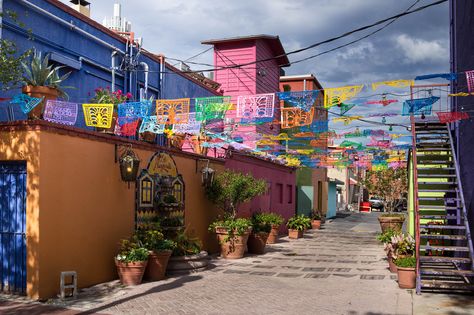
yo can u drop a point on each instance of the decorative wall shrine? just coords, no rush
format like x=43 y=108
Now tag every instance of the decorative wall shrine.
x=160 y=195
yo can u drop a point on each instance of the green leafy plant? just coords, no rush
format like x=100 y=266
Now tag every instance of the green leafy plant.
x=132 y=250
x=271 y=218
x=260 y=223
x=186 y=245
x=229 y=189
x=299 y=222
x=155 y=241
x=387 y=236
x=172 y=222
x=106 y=96
x=169 y=199
x=38 y=72
x=400 y=245
x=406 y=262
x=389 y=184
x=234 y=226
x=316 y=215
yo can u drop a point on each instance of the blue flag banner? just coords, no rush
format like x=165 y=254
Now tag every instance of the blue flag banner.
x=301 y=99
x=26 y=102
x=447 y=76
x=419 y=106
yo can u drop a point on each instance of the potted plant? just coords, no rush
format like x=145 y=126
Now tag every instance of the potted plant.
x=406 y=272
x=296 y=225
x=42 y=80
x=228 y=190
x=316 y=220
x=160 y=250
x=259 y=235
x=187 y=256
x=106 y=96
x=275 y=221
x=386 y=240
x=391 y=221
x=131 y=261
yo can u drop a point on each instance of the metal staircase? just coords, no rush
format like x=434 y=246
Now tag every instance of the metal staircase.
x=444 y=244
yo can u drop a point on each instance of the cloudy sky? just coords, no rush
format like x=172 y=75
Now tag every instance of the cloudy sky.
x=415 y=44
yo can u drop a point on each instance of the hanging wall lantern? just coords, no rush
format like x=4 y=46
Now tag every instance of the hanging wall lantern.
x=129 y=164
x=207 y=176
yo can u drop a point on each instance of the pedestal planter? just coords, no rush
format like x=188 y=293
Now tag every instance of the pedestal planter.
x=295 y=234
x=131 y=273
x=273 y=236
x=256 y=242
x=187 y=264
x=39 y=91
x=406 y=278
x=157 y=263
x=316 y=224
x=234 y=247
x=391 y=223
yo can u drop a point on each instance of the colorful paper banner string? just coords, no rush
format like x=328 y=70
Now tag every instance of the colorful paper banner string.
x=127 y=126
x=59 y=112
x=382 y=102
x=460 y=94
x=385 y=114
x=172 y=108
x=26 y=102
x=98 y=115
x=470 y=81
x=333 y=96
x=419 y=106
x=448 y=117
x=350 y=144
x=134 y=109
x=295 y=117
x=155 y=124
x=394 y=84
x=192 y=126
x=346 y=119
x=346 y=107
x=215 y=107
x=447 y=76
x=301 y=99
x=255 y=106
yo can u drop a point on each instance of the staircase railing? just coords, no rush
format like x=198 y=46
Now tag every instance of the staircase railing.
x=461 y=193
x=416 y=205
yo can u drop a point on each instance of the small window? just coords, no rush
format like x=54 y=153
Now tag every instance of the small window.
x=280 y=192
x=145 y=191
x=290 y=193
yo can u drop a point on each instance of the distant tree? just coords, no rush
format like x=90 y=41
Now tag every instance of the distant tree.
x=389 y=184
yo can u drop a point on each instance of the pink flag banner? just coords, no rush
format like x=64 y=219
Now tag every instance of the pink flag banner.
x=59 y=112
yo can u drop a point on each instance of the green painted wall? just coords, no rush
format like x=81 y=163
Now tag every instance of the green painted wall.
x=305 y=200
x=332 y=195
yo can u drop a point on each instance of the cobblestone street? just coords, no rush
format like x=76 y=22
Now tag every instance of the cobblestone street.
x=339 y=269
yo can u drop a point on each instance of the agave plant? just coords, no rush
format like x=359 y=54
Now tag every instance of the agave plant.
x=40 y=73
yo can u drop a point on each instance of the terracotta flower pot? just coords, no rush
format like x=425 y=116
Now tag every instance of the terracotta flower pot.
x=391 y=223
x=273 y=236
x=233 y=248
x=187 y=264
x=256 y=243
x=406 y=278
x=391 y=264
x=131 y=273
x=316 y=224
x=39 y=91
x=294 y=234
x=157 y=262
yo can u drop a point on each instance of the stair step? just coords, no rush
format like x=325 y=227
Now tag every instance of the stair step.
x=446 y=248
x=434 y=162
x=437 y=207
x=438 y=217
x=443 y=237
x=433 y=145
x=421 y=150
x=437 y=183
x=447 y=272
x=431 y=132
x=442 y=227
x=433 y=157
x=437 y=199
x=438 y=259
x=436 y=190
x=436 y=175
x=435 y=169
x=435 y=284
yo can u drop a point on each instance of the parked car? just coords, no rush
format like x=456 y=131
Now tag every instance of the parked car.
x=376 y=203
x=400 y=205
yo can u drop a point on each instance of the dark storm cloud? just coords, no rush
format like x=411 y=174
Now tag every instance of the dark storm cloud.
x=415 y=44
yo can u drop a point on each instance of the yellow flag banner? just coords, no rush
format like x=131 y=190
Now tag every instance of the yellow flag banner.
x=347 y=120
x=98 y=115
x=335 y=96
x=394 y=83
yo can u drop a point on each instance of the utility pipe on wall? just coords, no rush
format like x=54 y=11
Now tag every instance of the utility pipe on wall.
x=145 y=69
x=71 y=25
x=1 y=20
x=112 y=57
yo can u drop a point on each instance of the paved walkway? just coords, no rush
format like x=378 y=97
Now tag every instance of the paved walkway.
x=340 y=269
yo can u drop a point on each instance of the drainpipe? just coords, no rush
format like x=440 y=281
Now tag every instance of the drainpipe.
x=304 y=85
x=1 y=20
x=71 y=26
x=162 y=77
x=112 y=57
x=145 y=68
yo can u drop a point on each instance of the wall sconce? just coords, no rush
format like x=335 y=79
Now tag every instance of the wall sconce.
x=128 y=162
x=207 y=173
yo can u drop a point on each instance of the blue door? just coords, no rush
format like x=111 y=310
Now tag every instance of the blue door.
x=12 y=227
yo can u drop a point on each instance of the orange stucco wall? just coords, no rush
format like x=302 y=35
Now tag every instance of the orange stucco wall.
x=24 y=146
x=80 y=209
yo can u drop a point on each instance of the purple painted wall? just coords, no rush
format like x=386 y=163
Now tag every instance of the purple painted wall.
x=280 y=197
x=462 y=59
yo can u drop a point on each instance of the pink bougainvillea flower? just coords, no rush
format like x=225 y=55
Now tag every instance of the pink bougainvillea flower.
x=129 y=95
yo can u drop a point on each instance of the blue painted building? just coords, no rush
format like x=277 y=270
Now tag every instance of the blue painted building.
x=96 y=56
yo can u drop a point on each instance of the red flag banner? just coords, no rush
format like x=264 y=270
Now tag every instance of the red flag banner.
x=447 y=117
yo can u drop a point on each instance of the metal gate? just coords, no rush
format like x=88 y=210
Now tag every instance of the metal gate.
x=12 y=227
